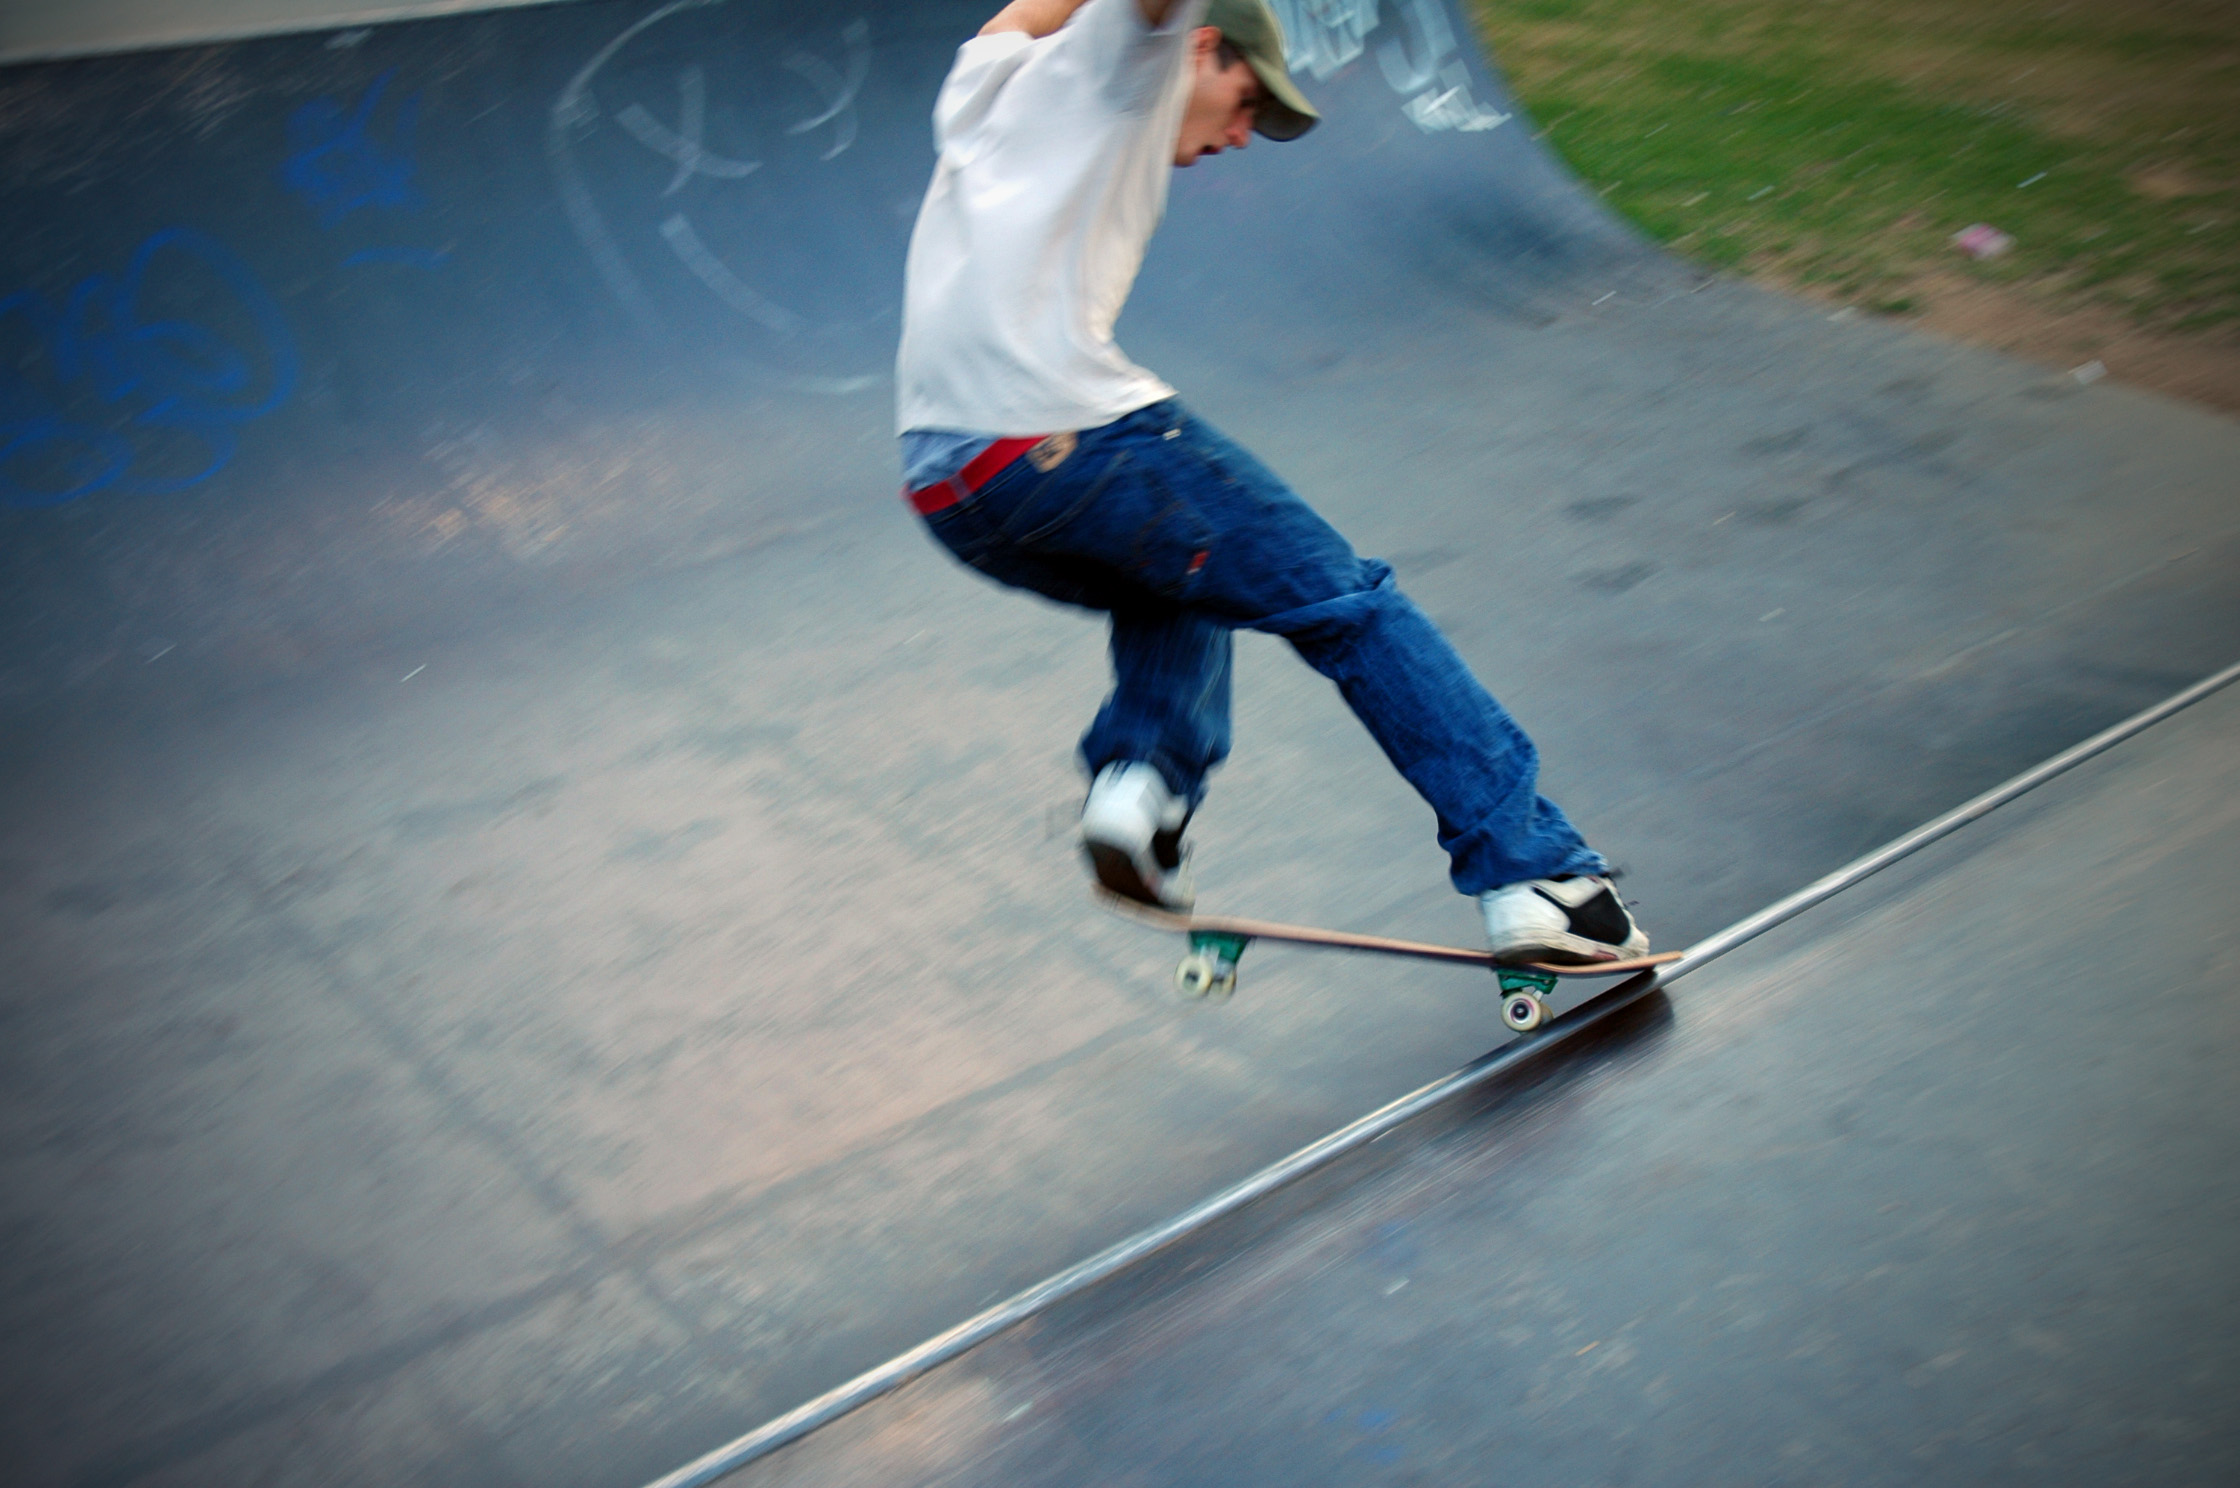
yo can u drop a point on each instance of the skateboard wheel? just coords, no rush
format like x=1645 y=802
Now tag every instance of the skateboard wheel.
x=1200 y=976
x=1523 y=1012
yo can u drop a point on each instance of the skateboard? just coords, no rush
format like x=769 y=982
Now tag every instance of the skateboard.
x=1209 y=971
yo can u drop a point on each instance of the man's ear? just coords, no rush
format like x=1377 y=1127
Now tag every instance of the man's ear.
x=1204 y=40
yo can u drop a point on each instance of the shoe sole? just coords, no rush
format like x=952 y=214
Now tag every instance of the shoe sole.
x=1566 y=950
x=1117 y=872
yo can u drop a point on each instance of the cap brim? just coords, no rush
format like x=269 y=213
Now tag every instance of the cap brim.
x=1284 y=113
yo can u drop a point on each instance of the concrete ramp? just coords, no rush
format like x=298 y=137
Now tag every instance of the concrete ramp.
x=1931 y=1186
x=541 y=927
x=386 y=325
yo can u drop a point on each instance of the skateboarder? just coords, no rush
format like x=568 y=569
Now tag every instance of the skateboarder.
x=1041 y=456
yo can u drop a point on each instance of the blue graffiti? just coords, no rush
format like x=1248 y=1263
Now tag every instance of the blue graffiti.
x=170 y=379
x=337 y=166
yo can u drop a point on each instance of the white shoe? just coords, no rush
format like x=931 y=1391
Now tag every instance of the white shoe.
x=1131 y=828
x=1571 y=920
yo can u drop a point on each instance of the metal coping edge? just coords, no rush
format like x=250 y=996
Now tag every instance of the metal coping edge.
x=942 y=1347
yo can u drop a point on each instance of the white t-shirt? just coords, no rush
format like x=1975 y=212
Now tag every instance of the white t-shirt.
x=1054 y=158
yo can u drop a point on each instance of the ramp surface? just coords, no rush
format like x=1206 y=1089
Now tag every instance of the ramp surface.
x=1938 y=1193
x=541 y=925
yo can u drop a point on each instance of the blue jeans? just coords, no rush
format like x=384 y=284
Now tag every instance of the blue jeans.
x=1182 y=537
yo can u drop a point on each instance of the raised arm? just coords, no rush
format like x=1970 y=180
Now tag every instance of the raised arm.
x=1035 y=17
x=1042 y=17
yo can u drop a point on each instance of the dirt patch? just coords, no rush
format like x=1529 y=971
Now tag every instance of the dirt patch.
x=2066 y=339
x=1839 y=150
x=2170 y=183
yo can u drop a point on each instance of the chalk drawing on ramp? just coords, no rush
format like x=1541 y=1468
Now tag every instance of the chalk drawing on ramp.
x=732 y=150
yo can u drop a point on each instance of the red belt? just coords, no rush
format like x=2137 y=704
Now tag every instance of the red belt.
x=985 y=466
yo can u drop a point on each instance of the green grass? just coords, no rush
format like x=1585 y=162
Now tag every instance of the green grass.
x=1841 y=143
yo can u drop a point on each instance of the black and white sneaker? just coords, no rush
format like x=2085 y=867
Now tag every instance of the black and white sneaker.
x=1569 y=920
x=1131 y=829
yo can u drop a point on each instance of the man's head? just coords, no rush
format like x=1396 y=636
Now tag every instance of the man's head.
x=1239 y=83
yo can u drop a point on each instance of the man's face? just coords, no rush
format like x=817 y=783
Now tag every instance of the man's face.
x=1222 y=102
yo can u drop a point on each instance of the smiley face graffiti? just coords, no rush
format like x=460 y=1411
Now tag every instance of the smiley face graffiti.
x=678 y=152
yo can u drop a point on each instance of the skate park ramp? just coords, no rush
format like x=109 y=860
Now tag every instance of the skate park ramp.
x=541 y=925
x=1930 y=1186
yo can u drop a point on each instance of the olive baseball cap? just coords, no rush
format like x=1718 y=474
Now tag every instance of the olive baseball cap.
x=1252 y=28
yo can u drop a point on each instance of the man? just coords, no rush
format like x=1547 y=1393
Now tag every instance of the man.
x=1045 y=459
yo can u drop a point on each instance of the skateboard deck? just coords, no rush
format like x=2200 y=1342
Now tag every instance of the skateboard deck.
x=1209 y=971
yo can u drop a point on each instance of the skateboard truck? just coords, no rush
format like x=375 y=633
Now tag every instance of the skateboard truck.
x=1209 y=972
x=1524 y=996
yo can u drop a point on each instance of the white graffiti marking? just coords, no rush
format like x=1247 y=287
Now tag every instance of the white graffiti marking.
x=682 y=144
x=1434 y=74
x=1324 y=35
x=1434 y=43
x=1452 y=107
x=839 y=91
x=722 y=283
x=577 y=113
